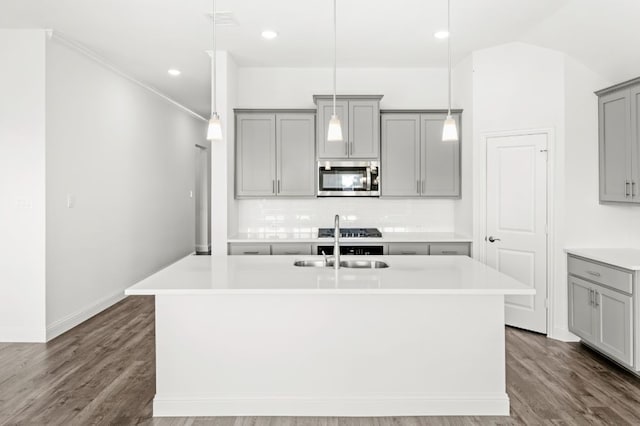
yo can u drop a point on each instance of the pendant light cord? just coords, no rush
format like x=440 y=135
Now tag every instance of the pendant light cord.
x=334 y=56
x=213 y=63
x=449 y=49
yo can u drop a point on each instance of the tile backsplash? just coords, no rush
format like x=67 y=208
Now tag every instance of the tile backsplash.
x=268 y=215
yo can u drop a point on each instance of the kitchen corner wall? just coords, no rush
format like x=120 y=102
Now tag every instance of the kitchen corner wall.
x=22 y=186
x=402 y=88
x=120 y=170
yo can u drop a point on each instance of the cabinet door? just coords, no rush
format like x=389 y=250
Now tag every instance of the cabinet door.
x=409 y=248
x=400 y=171
x=250 y=249
x=364 y=129
x=614 y=324
x=581 y=310
x=332 y=149
x=295 y=146
x=255 y=155
x=614 y=116
x=290 y=249
x=440 y=160
x=635 y=143
x=449 y=249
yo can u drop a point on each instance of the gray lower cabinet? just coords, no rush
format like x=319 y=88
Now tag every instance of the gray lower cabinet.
x=360 y=120
x=408 y=248
x=249 y=249
x=269 y=249
x=290 y=249
x=415 y=162
x=619 y=142
x=450 y=249
x=601 y=308
x=275 y=154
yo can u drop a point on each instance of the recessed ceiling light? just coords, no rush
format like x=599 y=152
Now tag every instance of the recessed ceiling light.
x=269 y=34
x=174 y=72
x=441 y=34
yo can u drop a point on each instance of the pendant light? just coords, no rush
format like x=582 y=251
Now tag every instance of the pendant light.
x=449 y=130
x=214 y=132
x=334 y=134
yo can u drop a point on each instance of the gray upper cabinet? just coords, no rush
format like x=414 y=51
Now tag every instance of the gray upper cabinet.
x=275 y=154
x=255 y=155
x=619 y=142
x=415 y=162
x=360 y=120
x=295 y=149
x=440 y=160
x=364 y=129
x=400 y=159
x=325 y=111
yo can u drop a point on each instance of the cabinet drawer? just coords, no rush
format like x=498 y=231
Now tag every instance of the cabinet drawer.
x=460 y=249
x=409 y=248
x=250 y=249
x=602 y=274
x=290 y=249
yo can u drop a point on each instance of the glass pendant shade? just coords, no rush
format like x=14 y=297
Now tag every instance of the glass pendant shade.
x=450 y=130
x=335 y=130
x=214 y=132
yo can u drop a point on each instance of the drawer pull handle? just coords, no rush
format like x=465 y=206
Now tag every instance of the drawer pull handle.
x=251 y=252
x=407 y=252
x=595 y=274
x=596 y=298
x=449 y=252
x=291 y=252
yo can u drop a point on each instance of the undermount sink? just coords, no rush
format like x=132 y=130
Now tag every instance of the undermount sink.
x=359 y=264
x=364 y=264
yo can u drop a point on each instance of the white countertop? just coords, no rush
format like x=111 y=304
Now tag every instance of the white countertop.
x=312 y=237
x=442 y=275
x=626 y=258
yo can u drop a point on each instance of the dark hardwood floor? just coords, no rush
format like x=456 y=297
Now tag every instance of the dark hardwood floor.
x=102 y=372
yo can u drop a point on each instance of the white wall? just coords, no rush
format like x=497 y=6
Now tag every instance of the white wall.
x=462 y=79
x=517 y=86
x=127 y=158
x=22 y=186
x=418 y=88
x=223 y=206
x=413 y=88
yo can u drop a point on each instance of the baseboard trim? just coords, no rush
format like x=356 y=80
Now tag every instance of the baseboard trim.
x=447 y=405
x=65 y=324
x=563 y=335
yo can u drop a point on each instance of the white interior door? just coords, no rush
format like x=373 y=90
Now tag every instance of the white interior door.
x=516 y=238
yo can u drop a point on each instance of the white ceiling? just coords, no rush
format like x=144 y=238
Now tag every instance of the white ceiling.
x=146 y=37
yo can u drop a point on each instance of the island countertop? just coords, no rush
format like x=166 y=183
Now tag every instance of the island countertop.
x=443 y=275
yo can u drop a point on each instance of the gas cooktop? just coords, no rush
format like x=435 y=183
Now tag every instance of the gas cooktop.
x=350 y=233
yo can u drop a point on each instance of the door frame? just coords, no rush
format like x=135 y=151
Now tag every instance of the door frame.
x=480 y=204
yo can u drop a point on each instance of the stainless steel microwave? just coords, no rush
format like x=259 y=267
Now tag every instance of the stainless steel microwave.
x=337 y=178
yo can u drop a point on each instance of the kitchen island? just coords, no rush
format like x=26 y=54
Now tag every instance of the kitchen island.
x=256 y=335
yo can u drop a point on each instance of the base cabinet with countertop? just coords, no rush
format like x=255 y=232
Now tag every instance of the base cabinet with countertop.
x=391 y=248
x=602 y=301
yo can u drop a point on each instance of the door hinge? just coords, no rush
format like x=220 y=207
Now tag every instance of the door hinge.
x=546 y=151
x=546 y=303
x=546 y=229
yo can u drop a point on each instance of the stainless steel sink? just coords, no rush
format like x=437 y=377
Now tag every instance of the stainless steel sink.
x=360 y=264
x=313 y=263
x=364 y=264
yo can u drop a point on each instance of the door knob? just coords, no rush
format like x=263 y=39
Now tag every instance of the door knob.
x=492 y=239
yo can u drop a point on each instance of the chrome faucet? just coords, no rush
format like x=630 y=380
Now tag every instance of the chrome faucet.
x=336 y=242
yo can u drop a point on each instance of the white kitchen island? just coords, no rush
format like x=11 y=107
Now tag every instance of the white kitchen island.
x=255 y=335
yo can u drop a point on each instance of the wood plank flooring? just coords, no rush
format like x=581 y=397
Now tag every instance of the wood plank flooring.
x=102 y=373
